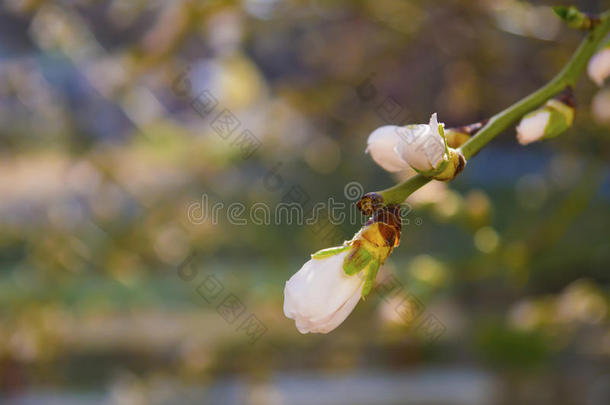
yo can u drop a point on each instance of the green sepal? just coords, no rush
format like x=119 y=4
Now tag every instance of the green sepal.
x=560 y=118
x=563 y=109
x=556 y=125
x=441 y=131
x=356 y=261
x=450 y=167
x=331 y=251
x=371 y=275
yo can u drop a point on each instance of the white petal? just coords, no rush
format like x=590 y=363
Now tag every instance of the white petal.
x=599 y=66
x=381 y=144
x=336 y=318
x=434 y=124
x=321 y=286
x=423 y=147
x=320 y=295
x=531 y=128
x=436 y=153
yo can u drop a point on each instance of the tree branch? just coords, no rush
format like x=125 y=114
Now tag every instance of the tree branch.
x=501 y=121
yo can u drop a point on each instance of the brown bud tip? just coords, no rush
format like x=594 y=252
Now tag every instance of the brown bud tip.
x=472 y=128
x=567 y=97
x=461 y=164
x=370 y=203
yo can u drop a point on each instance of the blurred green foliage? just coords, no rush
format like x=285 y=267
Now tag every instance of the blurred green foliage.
x=101 y=158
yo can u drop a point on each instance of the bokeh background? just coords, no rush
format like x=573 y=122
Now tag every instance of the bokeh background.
x=110 y=293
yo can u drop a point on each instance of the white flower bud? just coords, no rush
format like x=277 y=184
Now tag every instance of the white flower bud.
x=600 y=106
x=320 y=295
x=599 y=66
x=382 y=145
x=531 y=128
x=547 y=121
x=422 y=146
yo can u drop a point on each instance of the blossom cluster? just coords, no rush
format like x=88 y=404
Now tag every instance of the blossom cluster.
x=326 y=289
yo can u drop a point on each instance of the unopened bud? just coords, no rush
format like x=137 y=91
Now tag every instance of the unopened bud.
x=599 y=66
x=455 y=163
x=370 y=203
x=423 y=147
x=548 y=121
x=458 y=136
x=575 y=18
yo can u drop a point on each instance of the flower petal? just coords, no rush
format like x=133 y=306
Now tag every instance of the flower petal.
x=423 y=147
x=599 y=66
x=531 y=128
x=316 y=295
x=336 y=318
x=381 y=145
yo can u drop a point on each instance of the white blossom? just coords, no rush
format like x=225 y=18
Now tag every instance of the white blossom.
x=422 y=146
x=320 y=295
x=395 y=148
x=599 y=66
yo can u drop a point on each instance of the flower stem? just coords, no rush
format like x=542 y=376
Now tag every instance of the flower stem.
x=501 y=121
